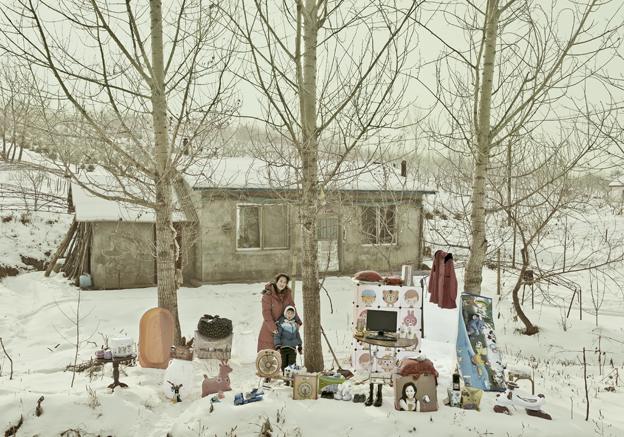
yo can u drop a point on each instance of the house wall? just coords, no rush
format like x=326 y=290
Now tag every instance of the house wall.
x=386 y=258
x=219 y=260
x=121 y=255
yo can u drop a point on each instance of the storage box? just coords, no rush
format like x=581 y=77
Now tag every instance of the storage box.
x=206 y=348
x=305 y=386
x=121 y=346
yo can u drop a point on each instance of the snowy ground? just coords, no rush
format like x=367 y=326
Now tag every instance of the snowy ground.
x=40 y=340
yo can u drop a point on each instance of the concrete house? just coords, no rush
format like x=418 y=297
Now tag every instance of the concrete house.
x=616 y=189
x=371 y=218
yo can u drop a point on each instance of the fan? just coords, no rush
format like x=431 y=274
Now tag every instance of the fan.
x=268 y=363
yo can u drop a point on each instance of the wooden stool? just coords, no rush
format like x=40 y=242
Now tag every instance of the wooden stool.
x=515 y=375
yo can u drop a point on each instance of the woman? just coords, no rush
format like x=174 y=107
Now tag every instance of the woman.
x=276 y=296
x=408 y=397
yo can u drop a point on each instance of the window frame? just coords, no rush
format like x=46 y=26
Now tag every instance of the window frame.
x=378 y=208
x=260 y=207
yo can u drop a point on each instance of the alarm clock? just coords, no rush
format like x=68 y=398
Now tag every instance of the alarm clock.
x=305 y=386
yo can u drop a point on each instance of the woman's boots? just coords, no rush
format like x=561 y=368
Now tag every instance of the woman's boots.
x=379 y=399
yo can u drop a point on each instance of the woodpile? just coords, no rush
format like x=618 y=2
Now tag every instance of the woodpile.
x=75 y=249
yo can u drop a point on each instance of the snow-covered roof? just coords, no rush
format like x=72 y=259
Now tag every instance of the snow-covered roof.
x=92 y=208
x=254 y=173
x=619 y=182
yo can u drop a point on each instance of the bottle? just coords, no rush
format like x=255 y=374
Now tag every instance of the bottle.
x=456 y=384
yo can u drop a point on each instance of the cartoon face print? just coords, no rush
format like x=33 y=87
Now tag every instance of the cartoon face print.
x=410 y=319
x=386 y=363
x=411 y=298
x=391 y=297
x=368 y=297
x=364 y=360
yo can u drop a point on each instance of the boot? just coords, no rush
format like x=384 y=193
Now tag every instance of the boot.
x=379 y=400
x=369 y=400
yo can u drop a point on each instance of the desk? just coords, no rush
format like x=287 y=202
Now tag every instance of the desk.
x=129 y=360
x=382 y=377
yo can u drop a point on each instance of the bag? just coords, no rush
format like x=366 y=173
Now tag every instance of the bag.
x=471 y=398
x=393 y=280
x=214 y=327
x=415 y=393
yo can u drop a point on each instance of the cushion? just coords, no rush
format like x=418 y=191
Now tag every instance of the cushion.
x=368 y=276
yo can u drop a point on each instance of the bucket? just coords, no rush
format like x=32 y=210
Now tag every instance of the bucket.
x=85 y=281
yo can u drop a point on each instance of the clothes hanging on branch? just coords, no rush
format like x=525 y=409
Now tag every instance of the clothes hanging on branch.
x=442 y=280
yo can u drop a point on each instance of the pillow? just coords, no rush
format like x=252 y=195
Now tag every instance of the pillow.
x=471 y=398
x=368 y=276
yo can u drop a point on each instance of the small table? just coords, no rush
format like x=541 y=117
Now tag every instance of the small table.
x=129 y=360
x=395 y=344
x=382 y=378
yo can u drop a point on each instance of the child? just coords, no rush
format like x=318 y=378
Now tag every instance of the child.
x=287 y=338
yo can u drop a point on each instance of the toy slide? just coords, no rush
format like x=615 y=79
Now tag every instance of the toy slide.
x=155 y=338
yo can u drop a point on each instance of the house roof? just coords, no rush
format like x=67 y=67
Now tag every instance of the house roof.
x=91 y=208
x=619 y=182
x=247 y=173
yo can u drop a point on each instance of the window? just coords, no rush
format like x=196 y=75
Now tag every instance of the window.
x=379 y=224
x=262 y=227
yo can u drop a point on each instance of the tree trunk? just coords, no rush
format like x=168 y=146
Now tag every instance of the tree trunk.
x=308 y=211
x=165 y=249
x=530 y=328
x=478 y=246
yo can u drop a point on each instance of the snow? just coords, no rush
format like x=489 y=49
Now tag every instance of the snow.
x=37 y=235
x=91 y=208
x=254 y=173
x=40 y=339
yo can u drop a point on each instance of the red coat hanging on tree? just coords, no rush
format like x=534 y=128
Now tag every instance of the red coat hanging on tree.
x=442 y=280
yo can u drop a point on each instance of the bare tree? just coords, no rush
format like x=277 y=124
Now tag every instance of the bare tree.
x=542 y=207
x=146 y=88
x=17 y=104
x=516 y=75
x=330 y=76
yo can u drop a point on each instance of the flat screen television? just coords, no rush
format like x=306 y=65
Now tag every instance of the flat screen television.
x=383 y=322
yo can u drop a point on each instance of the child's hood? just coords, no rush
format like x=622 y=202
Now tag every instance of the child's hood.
x=289 y=307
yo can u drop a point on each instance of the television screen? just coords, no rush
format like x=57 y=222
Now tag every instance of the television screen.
x=378 y=320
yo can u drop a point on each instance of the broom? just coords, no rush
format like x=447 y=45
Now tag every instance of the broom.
x=344 y=372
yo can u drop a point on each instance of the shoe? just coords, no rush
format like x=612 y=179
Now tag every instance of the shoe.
x=359 y=398
x=379 y=398
x=346 y=392
x=369 y=401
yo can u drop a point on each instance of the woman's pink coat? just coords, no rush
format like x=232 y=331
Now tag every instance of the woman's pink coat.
x=273 y=306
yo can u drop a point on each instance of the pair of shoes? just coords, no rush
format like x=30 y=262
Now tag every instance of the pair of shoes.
x=327 y=395
x=358 y=398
